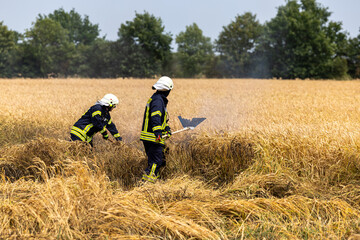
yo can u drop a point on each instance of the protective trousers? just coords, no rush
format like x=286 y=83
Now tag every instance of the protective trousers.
x=76 y=138
x=156 y=160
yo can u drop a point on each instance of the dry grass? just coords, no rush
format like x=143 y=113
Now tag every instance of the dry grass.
x=273 y=160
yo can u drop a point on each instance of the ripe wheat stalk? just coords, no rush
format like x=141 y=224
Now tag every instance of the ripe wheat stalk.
x=274 y=159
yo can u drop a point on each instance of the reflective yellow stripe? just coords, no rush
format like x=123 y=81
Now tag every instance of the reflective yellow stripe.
x=165 y=118
x=148 y=134
x=149 y=178
x=78 y=134
x=147 y=139
x=155 y=113
x=88 y=127
x=96 y=113
x=153 y=168
x=78 y=129
x=117 y=135
x=110 y=121
x=81 y=134
x=103 y=130
x=156 y=128
x=150 y=139
x=147 y=115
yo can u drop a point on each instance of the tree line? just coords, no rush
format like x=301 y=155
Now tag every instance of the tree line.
x=299 y=42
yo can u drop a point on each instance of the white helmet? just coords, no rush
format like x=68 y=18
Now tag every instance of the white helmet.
x=163 y=84
x=109 y=100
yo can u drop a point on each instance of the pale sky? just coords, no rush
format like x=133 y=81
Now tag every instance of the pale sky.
x=209 y=15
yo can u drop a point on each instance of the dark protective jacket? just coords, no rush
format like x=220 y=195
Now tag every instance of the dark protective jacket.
x=155 y=118
x=96 y=119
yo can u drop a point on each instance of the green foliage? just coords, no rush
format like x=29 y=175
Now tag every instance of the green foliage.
x=300 y=42
x=236 y=44
x=82 y=34
x=48 y=43
x=56 y=45
x=194 y=50
x=145 y=46
x=98 y=60
x=80 y=30
x=212 y=69
x=353 y=53
x=7 y=45
x=133 y=61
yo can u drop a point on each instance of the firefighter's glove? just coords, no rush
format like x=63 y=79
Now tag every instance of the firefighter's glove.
x=168 y=134
x=158 y=136
x=118 y=139
x=105 y=136
x=168 y=131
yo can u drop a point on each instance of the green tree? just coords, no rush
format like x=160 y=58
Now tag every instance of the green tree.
x=48 y=46
x=99 y=60
x=80 y=30
x=8 y=41
x=236 y=44
x=143 y=46
x=353 y=53
x=194 y=51
x=300 y=42
x=212 y=69
x=81 y=33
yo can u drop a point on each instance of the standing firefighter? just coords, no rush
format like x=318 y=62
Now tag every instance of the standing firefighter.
x=96 y=119
x=155 y=126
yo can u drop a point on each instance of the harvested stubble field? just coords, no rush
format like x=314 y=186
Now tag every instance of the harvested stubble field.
x=274 y=160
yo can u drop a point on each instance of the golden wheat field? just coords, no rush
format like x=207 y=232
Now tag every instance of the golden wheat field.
x=275 y=159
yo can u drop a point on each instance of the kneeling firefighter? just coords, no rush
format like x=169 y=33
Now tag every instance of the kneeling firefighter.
x=155 y=126
x=96 y=119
